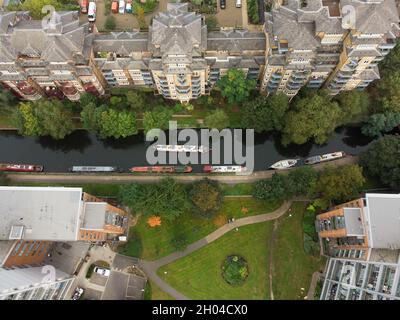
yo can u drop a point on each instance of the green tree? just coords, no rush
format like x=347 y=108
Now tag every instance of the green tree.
x=382 y=160
x=35 y=7
x=157 y=119
x=313 y=117
x=167 y=199
x=352 y=104
x=87 y=98
x=135 y=100
x=211 y=22
x=43 y=117
x=276 y=188
x=303 y=181
x=206 y=197
x=235 y=86
x=90 y=116
x=217 y=119
x=117 y=124
x=265 y=113
x=110 y=23
x=389 y=92
x=381 y=122
x=340 y=184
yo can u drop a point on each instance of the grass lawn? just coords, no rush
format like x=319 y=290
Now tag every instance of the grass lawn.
x=237 y=189
x=153 y=292
x=199 y=275
x=154 y=243
x=293 y=267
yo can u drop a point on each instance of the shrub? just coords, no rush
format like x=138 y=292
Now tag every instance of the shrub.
x=110 y=23
x=235 y=270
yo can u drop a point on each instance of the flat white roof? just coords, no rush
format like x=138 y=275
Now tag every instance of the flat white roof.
x=383 y=219
x=46 y=213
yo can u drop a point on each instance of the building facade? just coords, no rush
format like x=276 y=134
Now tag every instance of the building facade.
x=304 y=43
x=362 y=239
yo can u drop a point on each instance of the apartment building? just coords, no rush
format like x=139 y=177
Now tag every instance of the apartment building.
x=34 y=218
x=362 y=239
x=327 y=44
x=304 y=43
x=30 y=283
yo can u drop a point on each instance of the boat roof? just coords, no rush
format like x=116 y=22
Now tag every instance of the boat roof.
x=40 y=213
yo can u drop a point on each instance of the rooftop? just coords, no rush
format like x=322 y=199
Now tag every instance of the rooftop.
x=46 y=213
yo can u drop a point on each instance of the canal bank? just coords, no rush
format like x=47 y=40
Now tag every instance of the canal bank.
x=185 y=178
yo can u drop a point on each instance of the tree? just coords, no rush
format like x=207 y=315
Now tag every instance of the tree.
x=340 y=184
x=211 y=22
x=35 y=7
x=313 y=117
x=352 y=104
x=235 y=86
x=206 y=197
x=217 y=119
x=265 y=113
x=135 y=100
x=110 y=23
x=303 y=181
x=276 y=188
x=117 y=124
x=90 y=116
x=389 y=92
x=382 y=160
x=43 y=117
x=157 y=119
x=87 y=98
x=167 y=199
x=140 y=16
x=381 y=122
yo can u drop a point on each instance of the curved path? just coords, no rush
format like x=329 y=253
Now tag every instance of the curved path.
x=186 y=178
x=151 y=267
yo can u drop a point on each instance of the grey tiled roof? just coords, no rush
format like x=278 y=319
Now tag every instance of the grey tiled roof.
x=235 y=41
x=121 y=42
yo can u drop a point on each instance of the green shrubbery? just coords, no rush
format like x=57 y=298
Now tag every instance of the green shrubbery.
x=235 y=270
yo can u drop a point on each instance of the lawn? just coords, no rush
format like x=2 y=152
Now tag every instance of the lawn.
x=153 y=292
x=238 y=189
x=198 y=275
x=293 y=268
x=154 y=243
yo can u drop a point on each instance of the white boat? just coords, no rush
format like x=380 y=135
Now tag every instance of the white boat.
x=325 y=157
x=93 y=169
x=180 y=148
x=212 y=169
x=284 y=164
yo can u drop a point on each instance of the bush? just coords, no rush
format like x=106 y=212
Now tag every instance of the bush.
x=179 y=241
x=110 y=23
x=211 y=22
x=235 y=270
x=90 y=271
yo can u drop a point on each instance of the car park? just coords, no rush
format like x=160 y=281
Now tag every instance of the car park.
x=103 y=271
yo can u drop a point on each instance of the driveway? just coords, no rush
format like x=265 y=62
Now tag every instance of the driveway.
x=123 y=286
x=122 y=262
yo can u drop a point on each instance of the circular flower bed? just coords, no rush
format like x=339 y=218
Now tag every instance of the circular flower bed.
x=235 y=270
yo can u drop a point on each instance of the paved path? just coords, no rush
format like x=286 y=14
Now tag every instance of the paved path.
x=151 y=267
x=315 y=277
x=186 y=178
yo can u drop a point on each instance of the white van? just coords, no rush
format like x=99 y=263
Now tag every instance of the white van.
x=238 y=3
x=92 y=11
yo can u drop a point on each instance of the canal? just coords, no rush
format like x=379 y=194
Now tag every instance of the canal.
x=84 y=148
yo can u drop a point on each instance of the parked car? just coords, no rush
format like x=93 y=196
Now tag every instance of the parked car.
x=128 y=8
x=84 y=6
x=92 y=11
x=238 y=3
x=102 y=271
x=222 y=4
x=114 y=7
x=77 y=293
x=121 y=6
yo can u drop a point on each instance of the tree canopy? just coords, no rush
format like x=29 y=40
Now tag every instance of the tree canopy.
x=217 y=119
x=235 y=86
x=382 y=160
x=314 y=117
x=206 y=197
x=265 y=113
x=380 y=122
x=157 y=119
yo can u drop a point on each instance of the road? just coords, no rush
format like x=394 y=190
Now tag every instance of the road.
x=186 y=178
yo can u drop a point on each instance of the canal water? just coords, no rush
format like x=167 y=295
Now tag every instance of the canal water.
x=84 y=148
